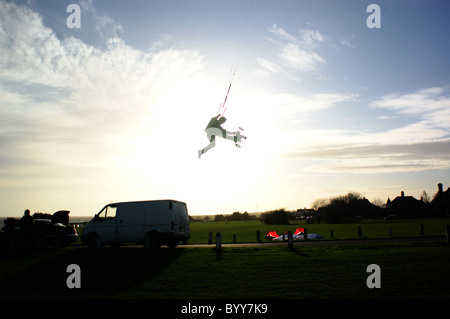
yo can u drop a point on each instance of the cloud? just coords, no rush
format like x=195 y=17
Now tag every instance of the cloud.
x=78 y=78
x=385 y=117
x=29 y=51
x=104 y=26
x=283 y=106
x=296 y=52
x=421 y=145
x=375 y=158
x=71 y=112
x=266 y=68
x=430 y=104
x=337 y=151
x=280 y=34
x=295 y=57
x=311 y=37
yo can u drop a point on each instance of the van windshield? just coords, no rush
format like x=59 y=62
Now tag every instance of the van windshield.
x=108 y=213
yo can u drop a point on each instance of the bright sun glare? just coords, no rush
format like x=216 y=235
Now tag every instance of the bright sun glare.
x=166 y=152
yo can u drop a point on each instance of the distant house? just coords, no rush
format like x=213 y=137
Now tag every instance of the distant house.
x=441 y=202
x=303 y=213
x=407 y=207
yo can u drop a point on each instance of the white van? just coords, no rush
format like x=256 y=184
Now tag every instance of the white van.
x=153 y=222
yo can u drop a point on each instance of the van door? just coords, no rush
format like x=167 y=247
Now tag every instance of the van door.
x=106 y=225
x=181 y=219
x=129 y=222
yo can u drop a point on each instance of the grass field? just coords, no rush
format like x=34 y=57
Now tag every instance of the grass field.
x=408 y=270
x=246 y=230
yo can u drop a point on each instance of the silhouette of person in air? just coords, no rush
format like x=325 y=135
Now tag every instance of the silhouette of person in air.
x=214 y=128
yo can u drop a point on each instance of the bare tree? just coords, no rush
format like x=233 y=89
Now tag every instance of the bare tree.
x=425 y=197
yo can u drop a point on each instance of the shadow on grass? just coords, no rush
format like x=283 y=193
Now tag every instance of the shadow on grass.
x=103 y=274
x=298 y=251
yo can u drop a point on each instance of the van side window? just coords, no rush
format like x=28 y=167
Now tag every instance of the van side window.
x=108 y=213
x=111 y=212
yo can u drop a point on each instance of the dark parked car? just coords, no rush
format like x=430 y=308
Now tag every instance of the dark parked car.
x=50 y=233
x=54 y=231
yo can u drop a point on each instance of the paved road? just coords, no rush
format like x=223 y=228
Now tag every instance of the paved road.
x=320 y=242
x=301 y=243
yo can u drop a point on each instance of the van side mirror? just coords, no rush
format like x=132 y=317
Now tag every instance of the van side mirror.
x=96 y=218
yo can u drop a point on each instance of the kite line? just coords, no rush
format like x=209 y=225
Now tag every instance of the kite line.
x=223 y=106
x=214 y=128
x=240 y=49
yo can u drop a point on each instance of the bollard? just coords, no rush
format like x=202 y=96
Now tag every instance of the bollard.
x=209 y=238
x=258 y=236
x=218 y=241
x=305 y=233
x=331 y=233
x=421 y=229
x=290 y=241
x=390 y=232
x=447 y=231
x=234 y=238
x=359 y=231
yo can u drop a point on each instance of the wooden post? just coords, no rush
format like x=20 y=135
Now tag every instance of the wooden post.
x=209 y=238
x=359 y=231
x=258 y=236
x=234 y=238
x=331 y=233
x=305 y=233
x=421 y=229
x=218 y=241
x=447 y=231
x=390 y=232
x=290 y=241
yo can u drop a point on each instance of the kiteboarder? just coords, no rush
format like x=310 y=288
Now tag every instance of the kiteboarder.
x=214 y=128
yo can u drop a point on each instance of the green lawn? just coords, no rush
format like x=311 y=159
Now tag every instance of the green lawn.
x=246 y=230
x=408 y=270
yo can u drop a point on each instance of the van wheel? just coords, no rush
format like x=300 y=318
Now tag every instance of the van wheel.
x=172 y=243
x=152 y=241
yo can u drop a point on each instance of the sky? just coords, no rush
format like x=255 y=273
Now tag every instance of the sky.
x=115 y=109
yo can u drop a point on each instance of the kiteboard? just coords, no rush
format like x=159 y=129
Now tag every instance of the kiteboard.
x=241 y=137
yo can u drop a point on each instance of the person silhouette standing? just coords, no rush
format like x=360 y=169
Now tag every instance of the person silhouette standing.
x=26 y=224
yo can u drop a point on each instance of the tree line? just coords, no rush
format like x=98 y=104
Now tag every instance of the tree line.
x=352 y=207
